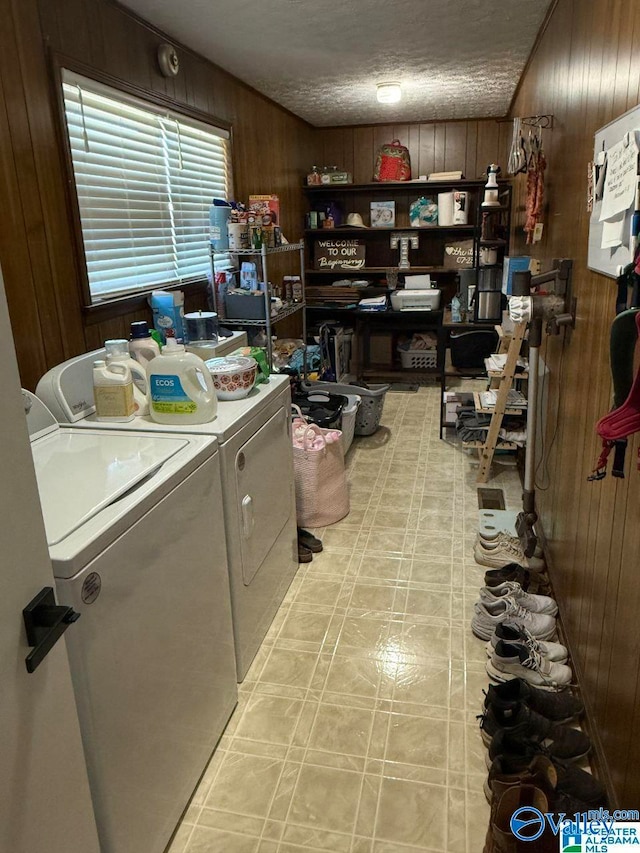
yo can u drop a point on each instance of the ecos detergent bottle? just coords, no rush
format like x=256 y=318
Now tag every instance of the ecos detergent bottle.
x=180 y=387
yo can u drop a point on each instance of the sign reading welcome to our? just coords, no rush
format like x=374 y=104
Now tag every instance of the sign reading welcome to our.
x=336 y=254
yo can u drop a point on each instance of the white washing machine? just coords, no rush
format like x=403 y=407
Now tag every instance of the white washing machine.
x=135 y=534
x=254 y=436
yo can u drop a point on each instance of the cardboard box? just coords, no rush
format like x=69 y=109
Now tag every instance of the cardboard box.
x=265 y=206
x=517 y=263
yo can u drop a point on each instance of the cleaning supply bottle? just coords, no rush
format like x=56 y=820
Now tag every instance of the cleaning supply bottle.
x=113 y=392
x=118 y=353
x=181 y=389
x=142 y=346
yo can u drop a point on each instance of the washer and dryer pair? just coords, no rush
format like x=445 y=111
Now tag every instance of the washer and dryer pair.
x=176 y=544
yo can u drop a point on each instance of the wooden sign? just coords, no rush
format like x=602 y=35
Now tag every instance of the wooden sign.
x=459 y=255
x=334 y=253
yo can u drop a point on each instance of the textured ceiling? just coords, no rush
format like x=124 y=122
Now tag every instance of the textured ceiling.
x=321 y=60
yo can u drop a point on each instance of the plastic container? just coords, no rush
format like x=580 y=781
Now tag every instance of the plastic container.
x=118 y=353
x=418 y=358
x=142 y=346
x=233 y=376
x=321 y=407
x=371 y=402
x=219 y=213
x=180 y=387
x=349 y=414
x=113 y=392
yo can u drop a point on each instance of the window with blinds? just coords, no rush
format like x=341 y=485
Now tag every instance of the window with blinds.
x=145 y=179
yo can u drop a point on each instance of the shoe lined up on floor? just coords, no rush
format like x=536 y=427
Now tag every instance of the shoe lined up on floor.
x=515 y=634
x=561 y=741
x=502 y=537
x=575 y=789
x=308 y=545
x=512 y=589
x=500 y=839
x=489 y=614
x=502 y=554
x=558 y=707
x=510 y=660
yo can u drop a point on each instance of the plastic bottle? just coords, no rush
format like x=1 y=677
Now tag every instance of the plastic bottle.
x=176 y=392
x=219 y=213
x=455 y=310
x=313 y=178
x=142 y=346
x=113 y=392
x=118 y=353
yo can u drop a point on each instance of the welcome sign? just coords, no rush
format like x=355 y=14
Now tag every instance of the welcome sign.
x=335 y=254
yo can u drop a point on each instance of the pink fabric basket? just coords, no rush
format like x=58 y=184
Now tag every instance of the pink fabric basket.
x=322 y=495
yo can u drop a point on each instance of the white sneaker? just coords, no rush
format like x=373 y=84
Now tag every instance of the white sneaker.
x=503 y=537
x=489 y=614
x=501 y=555
x=516 y=635
x=512 y=589
x=510 y=661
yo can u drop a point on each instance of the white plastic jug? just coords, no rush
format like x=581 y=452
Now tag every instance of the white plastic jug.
x=113 y=392
x=180 y=387
x=118 y=353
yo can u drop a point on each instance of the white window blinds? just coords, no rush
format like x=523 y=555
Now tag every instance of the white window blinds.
x=145 y=179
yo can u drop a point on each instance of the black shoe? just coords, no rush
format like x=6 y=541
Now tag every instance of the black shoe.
x=304 y=554
x=561 y=742
x=559 y=707
x=309 y=541
x=516 y=759
x=510 y=572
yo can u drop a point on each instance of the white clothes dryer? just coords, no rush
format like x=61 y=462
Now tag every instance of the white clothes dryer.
x=254 y=436
x=135 y=534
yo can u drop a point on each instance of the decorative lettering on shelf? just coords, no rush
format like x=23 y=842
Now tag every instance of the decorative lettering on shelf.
x=339 y=254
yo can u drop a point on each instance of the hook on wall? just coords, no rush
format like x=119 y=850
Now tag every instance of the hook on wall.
x=543 y=121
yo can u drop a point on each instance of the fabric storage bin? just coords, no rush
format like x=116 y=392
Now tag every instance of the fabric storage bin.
x=469 y=349
x=241 y=306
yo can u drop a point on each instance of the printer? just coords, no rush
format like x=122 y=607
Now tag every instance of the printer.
x=412 y=299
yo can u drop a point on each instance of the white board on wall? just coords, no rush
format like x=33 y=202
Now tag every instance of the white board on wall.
x=611 y=260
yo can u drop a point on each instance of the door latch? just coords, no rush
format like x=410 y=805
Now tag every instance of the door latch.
x=45 y=622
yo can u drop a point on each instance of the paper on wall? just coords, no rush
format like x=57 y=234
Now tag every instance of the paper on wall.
x=621 y=178
x=614 y=232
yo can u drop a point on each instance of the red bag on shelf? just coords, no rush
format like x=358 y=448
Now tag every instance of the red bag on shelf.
x=393 y=163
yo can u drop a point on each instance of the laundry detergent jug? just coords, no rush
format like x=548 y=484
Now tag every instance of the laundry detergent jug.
x=118 y=353
x=181 y=389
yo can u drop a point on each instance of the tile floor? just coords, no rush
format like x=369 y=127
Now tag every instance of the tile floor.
x=356 y=727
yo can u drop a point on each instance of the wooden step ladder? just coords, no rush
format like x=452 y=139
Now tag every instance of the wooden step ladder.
x=504 y=385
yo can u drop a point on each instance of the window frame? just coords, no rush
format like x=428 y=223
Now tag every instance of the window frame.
x=105 y=309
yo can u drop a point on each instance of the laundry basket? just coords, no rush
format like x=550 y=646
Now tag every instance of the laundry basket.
x=349 y=415
x=371 y=402
x=423 y=359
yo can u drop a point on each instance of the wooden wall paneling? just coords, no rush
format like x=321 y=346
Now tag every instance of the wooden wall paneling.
x=487 y=145
x=28 y=185
x=633 y=88
x=471 y=150
x=427 y=155
x=16 y=267
x=455 y=145
x=60 y=245
x=440 y=142
x=609 y=594
x=363 y=155
x=582 y=67
x=413 y=144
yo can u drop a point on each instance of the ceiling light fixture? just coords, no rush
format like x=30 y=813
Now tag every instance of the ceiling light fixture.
x=388 y=93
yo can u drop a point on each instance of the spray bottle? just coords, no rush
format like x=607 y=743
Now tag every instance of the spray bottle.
x=113 y=392
x=118 y=353
x=181 y=389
